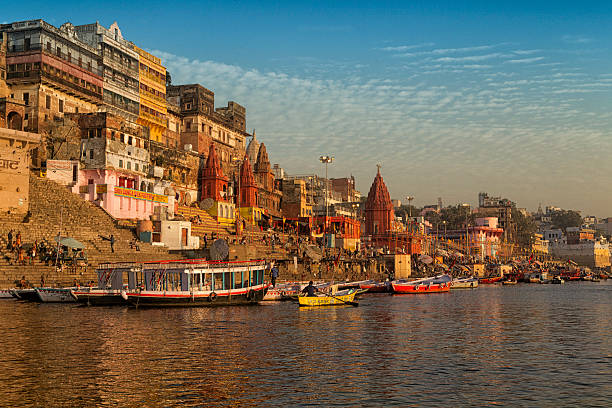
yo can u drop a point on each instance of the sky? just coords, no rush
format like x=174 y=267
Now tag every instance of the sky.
x=513 y=98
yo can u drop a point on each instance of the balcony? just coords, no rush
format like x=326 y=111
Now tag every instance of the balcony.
x=55 y=81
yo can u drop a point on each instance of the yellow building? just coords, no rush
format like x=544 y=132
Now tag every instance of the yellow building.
x=152 y=83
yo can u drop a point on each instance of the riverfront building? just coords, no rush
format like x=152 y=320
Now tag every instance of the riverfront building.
x=152 y=92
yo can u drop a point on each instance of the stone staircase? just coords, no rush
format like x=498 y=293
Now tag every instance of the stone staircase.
x=53 y=205
x=207 y=223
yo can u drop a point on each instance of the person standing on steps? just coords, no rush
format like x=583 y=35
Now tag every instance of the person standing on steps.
x=112 y=243
x=274 y=274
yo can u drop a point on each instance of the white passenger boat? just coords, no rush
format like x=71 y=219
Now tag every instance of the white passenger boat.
x=464 y=283
x=55 y=295
x=199 y=283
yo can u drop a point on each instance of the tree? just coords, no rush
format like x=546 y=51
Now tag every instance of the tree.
x=524 y=228
x=566 y=218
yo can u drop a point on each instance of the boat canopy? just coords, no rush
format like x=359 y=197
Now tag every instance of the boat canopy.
x=69 y=242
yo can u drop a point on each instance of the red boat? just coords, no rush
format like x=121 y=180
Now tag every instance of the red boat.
x=571 y=276
x=438 y=284
x=375 y=287
x=490 y=280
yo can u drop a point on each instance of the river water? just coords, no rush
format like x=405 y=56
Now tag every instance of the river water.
x=525 y=345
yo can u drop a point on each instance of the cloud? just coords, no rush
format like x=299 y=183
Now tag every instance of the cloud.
x=472 y=57
x=524 y=60
x=577 y=39
x=400 y=48
x=407 y=115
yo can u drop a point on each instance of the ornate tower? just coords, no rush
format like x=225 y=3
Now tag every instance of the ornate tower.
x=248 y=189
x=263 y=170
x=252 y=149
x=214 y=184
x=378 y=208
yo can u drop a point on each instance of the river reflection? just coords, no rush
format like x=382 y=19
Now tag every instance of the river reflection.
x=524 y=345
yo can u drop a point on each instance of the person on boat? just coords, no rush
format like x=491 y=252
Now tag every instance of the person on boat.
x=274 y=274
x=310 y=289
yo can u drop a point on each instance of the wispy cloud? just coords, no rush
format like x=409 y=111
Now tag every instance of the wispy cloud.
x=401 y=48
x=472 y=57
x=577 y=39
x=524 y=60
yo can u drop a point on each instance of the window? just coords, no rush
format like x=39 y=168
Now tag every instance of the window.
x=112 y=135
x=99 y=132
x=129 y=165
x=26 y=98
x=48 y=102
x=120 y=166
x=130 y=140
x=91 y=133
x=61 y=106
x=58 y=51
x=122 y=138
x=90 y=154
x=136 y=166
x=76 y=109
x=48 y=46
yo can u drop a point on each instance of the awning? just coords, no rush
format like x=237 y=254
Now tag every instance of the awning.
x=69 y=242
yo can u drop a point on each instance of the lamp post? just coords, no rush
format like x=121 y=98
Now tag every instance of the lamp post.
x=326 y=160
x=410 y=198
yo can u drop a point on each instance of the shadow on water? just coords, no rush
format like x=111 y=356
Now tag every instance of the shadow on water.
x=544 y=345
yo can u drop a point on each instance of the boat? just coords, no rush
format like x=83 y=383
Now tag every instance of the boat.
x=55 y=295
x=464 y=283
x=490 y=280
x=557 y=280
x=343 y=297
x=282 y=292
x=509 y=282
x=375 y=287
x=198 y=283
x=26 y=294
x=111 y=277
x=437 y=284
x=6 y=294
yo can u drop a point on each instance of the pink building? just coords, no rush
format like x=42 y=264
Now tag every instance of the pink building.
x=485 y=237
x=123 y=195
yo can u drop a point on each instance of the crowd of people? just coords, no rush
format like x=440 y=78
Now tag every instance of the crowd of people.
x=21 y=253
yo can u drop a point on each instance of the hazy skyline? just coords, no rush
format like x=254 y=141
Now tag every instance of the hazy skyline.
x=512 y=99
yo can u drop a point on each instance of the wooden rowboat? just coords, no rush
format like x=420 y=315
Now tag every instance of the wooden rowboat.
x=338 y=299
x=419 y=288
x=486 y=281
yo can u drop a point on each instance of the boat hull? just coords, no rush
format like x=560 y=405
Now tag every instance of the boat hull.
x=411 y=289
x=246 y=296
x=467 y=284
x=100 y=297
x=55 y=295
x=380 y=287
x=6 y=294
x=488 y=281
x=27 y=294
x=327 y=300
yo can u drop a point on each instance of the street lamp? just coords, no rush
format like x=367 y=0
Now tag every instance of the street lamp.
x=326 y=160
x=410 y=198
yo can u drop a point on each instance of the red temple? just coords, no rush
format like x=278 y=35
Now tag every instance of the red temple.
x=248 y=189
x=214 y=184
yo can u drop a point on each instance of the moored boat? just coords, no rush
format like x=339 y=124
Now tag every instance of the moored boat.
x=557 y=280
x=282 y=292
x=375 y=287
x=6 y=294
x=345 y=297
x=437 y=284
x=55 y=295
x=490 y=280
x=26 y=294
x=111 y=277
x=464 y=283
x=509 y=282
x=199 y=283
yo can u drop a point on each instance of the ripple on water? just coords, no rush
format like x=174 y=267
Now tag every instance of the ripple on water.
x=526 y=345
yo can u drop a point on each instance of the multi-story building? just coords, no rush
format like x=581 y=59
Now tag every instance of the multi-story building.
x=346 y=188
x=497 y=207
x=203 y=126
x=115 y=157
x=51 y=70
x=172 y=135
x=152 y=91
x=296 y=202
x=120 y=68
x=4 y=90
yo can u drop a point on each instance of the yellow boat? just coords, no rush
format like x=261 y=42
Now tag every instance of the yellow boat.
x=340 y=298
